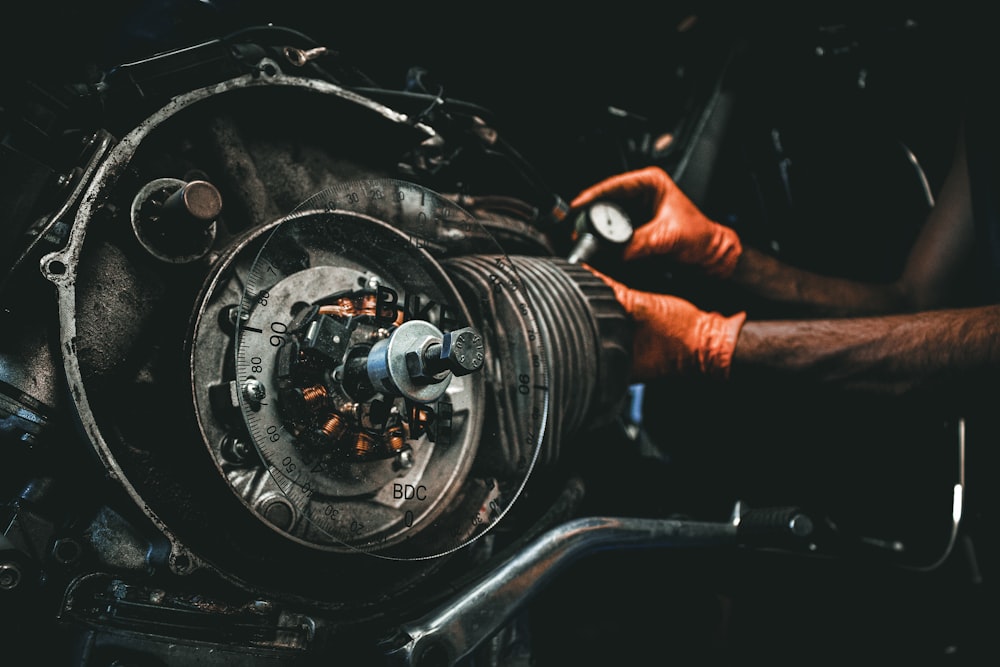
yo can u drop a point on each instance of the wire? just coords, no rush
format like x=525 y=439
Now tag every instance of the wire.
x=429 y=98
x=242 y=33
x=957 y=507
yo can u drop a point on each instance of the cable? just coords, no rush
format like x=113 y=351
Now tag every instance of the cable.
x=957 y=506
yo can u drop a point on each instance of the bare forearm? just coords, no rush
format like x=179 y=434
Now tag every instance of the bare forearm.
x=814 y=294
x=944 y=246
x=936 y=350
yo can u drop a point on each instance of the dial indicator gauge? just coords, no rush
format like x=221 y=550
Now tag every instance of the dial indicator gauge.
x=363 y=379
x=610 y=222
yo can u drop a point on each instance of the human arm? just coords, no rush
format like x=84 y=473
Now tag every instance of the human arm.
x=678 y=231
x=944 y=243
x=945 y=350
x=892 y=337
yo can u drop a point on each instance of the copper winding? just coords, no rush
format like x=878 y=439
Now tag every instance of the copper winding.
x=347 y=306
x=334 y=426
x=368 y=303
x=396 y=438
x=421 y=418
x=365 y=304
x=364 y=443
x=314 y=397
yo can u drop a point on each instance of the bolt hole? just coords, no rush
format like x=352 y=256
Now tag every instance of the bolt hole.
x=433 y=655
x=57 y=268
x=182 y=563
x=67 y=551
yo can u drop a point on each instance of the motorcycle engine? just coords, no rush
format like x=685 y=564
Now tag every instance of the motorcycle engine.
x=284 y=353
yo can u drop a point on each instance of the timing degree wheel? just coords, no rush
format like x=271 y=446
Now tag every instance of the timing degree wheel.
x=356 y=380
x=361 y=381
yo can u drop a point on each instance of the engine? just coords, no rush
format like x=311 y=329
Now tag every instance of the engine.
x=312 y=382
x=298 y=368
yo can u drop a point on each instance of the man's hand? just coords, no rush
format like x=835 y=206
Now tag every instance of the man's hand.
x=673 y=337
x=677 y=228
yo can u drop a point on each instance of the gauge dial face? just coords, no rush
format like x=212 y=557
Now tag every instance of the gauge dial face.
x=610 y=222
x=345 y=330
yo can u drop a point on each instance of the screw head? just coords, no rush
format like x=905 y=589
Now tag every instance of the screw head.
x=254 y=391
x=10 y=576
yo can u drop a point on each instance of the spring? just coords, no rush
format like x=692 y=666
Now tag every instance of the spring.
x=334 y=427
x=364 y=444
x=314 y=397
x=396 y=438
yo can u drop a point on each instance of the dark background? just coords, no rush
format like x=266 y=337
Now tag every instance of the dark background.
x=548 y=76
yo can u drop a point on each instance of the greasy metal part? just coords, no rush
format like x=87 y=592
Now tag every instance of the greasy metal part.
x=460 y=352
x=418 y=361
x=583 y=332
x=350 y=497
x=29 y=389
x=50 y=231
x=341 y=226
x=115 y=543
x=396 y=364
x=137 y=609
x=174 y=220
x=450 y=632
x=10 y=575
x=575 y=305
x=337 y=420
x=27 y=524
x=104 y=171
x=402 y=480
x=196 y=201
x=300 y=57
x=374 y=280
x=584 y=249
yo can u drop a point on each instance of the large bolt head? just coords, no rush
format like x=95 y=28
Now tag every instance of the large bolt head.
x=463 y=351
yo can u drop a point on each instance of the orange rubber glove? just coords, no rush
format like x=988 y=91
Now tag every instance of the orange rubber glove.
x=677 y=227
x=673 y=337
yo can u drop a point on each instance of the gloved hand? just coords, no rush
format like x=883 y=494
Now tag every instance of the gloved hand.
x=674 y=337
x=677 y=228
